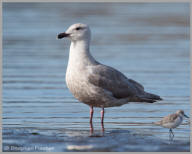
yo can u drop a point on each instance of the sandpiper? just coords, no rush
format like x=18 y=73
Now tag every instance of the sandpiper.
x=172 y=121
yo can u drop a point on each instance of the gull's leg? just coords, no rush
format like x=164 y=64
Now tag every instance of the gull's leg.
x=90 y=120
x=91 y=129
x=103 y=129
x=102 y=115
x=102 y=119
x=91 y=114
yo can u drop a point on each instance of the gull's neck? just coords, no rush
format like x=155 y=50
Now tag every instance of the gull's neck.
x=79 y=54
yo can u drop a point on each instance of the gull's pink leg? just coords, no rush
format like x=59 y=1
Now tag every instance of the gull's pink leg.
x=102 y=115
x=91 y=114
x=102 y=119
x=90 y=120
x=91 y=129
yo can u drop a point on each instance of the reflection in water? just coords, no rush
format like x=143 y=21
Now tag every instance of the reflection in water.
x=92 y=129
x=91 y=120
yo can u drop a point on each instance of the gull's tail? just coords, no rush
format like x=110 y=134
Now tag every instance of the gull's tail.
x=149 y=98
x=153 y=96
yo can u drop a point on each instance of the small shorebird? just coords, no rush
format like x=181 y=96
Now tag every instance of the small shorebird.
x=95 y=84
x=172 y=121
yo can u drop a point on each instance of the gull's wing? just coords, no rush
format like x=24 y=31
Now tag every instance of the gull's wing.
x=138 y=85
x=114 y=81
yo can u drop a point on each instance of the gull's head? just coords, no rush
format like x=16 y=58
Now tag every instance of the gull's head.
x=77 y=32
x=181 y=113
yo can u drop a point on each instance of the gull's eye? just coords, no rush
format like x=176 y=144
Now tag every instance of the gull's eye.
x=78 y=28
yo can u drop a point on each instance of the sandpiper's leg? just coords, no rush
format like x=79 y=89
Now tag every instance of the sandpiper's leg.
x=170 y=131
x=171 y=134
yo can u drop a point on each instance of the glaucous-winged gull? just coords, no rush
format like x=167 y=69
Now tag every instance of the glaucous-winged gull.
x=93 y=83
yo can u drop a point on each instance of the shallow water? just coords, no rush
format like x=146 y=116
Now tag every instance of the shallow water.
x=147 y=44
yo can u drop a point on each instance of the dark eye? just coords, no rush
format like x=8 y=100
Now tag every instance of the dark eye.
x=78 y=28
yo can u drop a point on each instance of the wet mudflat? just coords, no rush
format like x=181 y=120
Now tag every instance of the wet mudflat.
x=147 y=44
x=58 y=140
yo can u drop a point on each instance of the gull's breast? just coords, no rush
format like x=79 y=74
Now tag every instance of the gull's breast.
x=79 y=85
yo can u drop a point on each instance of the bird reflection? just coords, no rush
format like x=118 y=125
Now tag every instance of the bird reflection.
x=92 y=134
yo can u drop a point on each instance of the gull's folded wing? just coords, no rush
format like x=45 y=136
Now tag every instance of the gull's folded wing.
x=114 y=81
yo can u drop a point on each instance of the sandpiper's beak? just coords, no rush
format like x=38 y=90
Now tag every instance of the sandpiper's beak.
x=62 y=35
x=186 y=116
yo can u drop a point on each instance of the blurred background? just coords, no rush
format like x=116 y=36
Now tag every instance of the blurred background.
x=148 y=42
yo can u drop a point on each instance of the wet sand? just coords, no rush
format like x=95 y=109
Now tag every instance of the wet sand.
x=118 y=140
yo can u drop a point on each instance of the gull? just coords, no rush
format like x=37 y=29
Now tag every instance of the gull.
x=172 y=121
x=93 y=83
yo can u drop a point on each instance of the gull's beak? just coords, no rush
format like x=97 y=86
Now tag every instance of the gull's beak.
x=186 y=116
x=62 y=35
